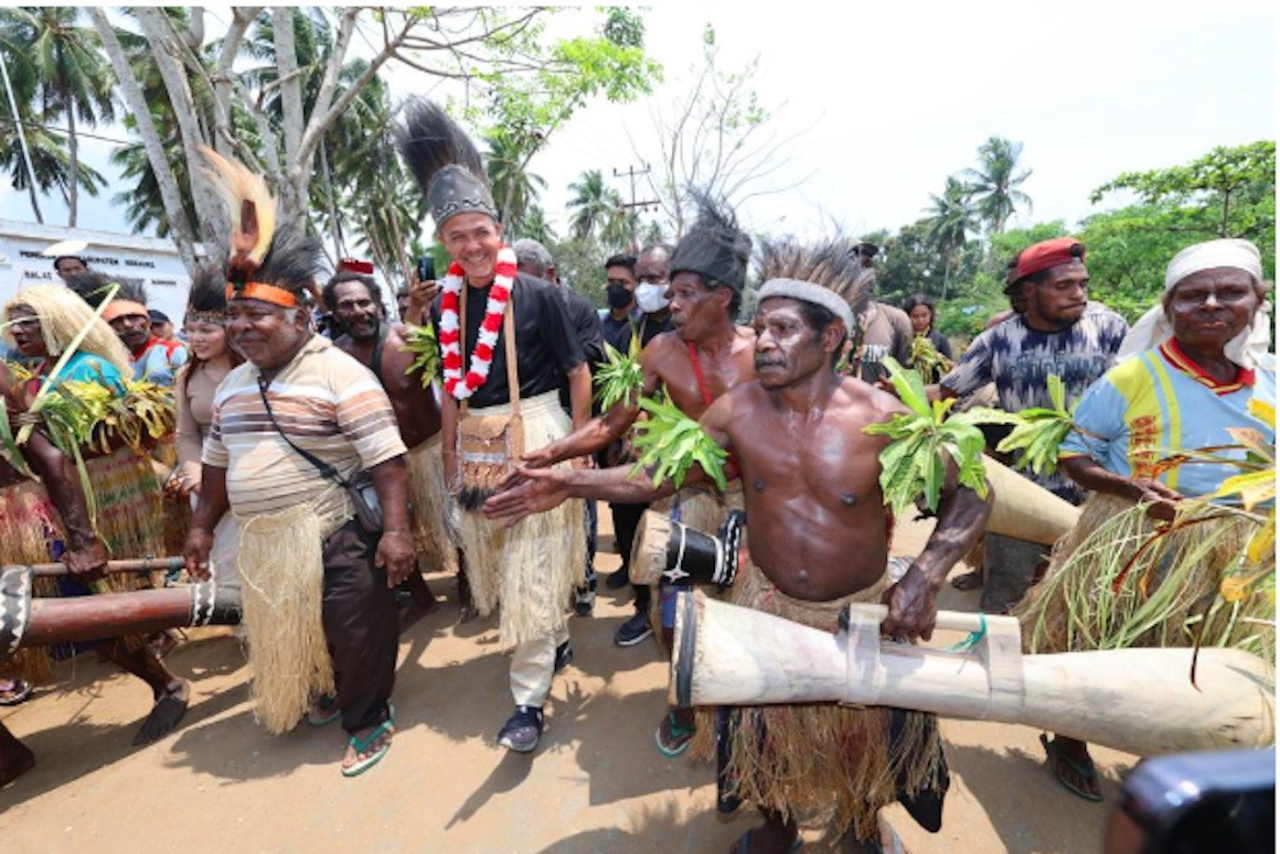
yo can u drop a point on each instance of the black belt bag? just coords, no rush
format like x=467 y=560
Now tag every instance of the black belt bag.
x=359 y=487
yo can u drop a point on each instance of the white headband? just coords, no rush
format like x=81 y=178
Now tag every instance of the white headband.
x=809 y=292
x=1228 y=252
x=1153 y=328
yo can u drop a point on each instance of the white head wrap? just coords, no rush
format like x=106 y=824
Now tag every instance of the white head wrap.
x=809 y=292
x=1153 y=328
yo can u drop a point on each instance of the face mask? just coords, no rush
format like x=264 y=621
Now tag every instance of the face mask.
x=652 y=298
x=618 y=296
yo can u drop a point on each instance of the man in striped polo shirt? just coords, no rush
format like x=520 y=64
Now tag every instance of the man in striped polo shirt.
x=291 y=428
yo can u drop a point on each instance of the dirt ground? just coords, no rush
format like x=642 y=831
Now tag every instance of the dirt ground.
x=596 y=784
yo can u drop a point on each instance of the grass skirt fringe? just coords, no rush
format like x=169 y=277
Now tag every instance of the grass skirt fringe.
x=530 y=569
x=29 y=525
x=130 y=507
x=281 y=562
x=1114 y=584
x=824 y=759
x=430 y=508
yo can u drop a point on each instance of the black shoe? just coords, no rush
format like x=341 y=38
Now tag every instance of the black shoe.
x=584 y=600
x=564 y=655
x=522 y=730
x=618 y=579
x=634 y=630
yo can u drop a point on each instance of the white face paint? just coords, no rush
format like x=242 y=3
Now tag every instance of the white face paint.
x=651 y=297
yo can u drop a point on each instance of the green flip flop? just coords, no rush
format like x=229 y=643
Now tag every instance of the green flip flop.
x=324 y=711
x=362 y=744
x=1086 y=772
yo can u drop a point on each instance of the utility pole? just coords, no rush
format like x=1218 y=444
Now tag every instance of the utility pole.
x=22 y=140
x=633 y=174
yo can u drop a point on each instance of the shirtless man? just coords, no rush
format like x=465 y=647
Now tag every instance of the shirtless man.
x=818 y=539
x=356 y=303
x=706 y=356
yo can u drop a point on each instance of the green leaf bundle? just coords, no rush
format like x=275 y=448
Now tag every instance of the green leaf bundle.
x=913 y=465
x=423 y=344
x=670 y=443
x=619 y=378
x=1039 y=432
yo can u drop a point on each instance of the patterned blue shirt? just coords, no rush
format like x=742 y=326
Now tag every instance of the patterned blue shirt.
x=1019 y=360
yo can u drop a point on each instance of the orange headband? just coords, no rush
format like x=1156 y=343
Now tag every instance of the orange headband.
x=122 y=308
x=264 y=292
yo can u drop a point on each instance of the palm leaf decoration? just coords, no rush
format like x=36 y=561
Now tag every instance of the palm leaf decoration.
x=619 y=377
x=913 y=465
x=926 y=359
x=670 y=443
x=423 y=344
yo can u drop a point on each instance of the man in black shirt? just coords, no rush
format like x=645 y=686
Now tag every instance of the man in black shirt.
x=534 y=259
x=620 y=292
x=531 y=569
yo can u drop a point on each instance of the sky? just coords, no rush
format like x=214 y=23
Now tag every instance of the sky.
x=885 y=100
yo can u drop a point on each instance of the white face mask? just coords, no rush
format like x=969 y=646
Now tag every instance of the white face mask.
x=651 y=297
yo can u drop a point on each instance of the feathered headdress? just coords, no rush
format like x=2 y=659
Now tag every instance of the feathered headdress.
x=715 y=248
x=445 y=162
x=266 y=263
x=824 y=273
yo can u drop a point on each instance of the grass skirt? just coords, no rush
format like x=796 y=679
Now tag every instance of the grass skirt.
x=430 y=499
x=824 y=759
x=531 y=568
x=1113 y=584
x=130 y=515
x=29 y=526
x=281 y=562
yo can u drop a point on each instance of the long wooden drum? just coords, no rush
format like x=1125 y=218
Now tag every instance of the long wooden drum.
x=26 y=621
x=1025 y=510
x=1136 y=700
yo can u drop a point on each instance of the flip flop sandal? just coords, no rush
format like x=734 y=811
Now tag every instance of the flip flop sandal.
x=323 y=711
x=680 y=735
x=18 y=693
x=362 y=744
x=1086 y=772
x=744 y=844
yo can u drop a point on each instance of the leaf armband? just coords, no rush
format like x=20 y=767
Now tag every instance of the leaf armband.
x=670 y=443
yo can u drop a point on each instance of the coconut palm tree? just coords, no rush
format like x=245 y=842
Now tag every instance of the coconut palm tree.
x=514 y=188
x=596 y=207
x=953 y=216
x=994 y=184
x=73 y=81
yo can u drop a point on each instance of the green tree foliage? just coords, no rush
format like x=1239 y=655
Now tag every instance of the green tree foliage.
x=60 y=76
x=994 y=184
x=1230 y=192
x=580 y=263
x=948 y=229
x=597 y=208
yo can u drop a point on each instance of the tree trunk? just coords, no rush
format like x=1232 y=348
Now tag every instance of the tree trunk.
x=22 y=140
x=209 y=208
x=293 y=190
x=946 y=274
x=73 y=165
x=179 y=229
x=335 y=224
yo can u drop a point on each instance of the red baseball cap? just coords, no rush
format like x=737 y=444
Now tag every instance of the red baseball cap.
x=1046 y=254
x=354 y=265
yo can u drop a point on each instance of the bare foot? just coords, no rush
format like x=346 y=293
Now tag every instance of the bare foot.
x=170 y=706
x=968 y=581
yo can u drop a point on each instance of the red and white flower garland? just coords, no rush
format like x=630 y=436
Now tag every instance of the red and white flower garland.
x=504 y=275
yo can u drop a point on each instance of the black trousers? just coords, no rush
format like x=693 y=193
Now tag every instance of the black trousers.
x=361 y=625
x=626 y=518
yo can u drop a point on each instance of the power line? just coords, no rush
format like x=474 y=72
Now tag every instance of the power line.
x=632 y=174
x=85 y=134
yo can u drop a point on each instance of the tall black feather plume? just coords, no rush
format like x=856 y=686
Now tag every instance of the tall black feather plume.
x=430 y=140
x=714 y=248
x=208 y=289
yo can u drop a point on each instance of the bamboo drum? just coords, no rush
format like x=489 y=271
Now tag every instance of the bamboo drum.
x=1137 y=700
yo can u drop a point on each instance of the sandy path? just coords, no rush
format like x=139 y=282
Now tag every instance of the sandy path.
x=597 y=783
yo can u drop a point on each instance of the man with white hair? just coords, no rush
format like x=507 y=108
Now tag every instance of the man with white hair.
x=1192 y=370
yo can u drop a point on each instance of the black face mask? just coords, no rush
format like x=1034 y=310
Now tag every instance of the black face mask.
x=619 y=296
